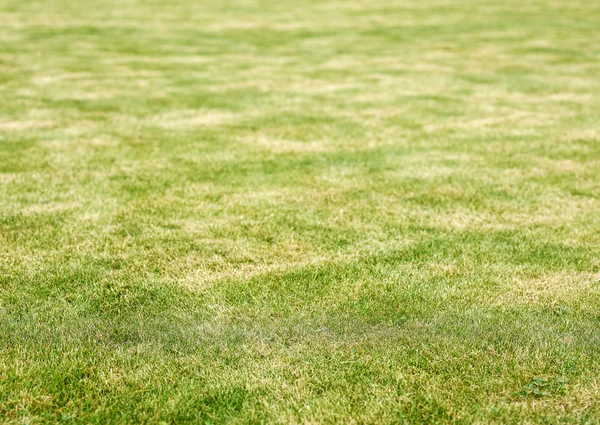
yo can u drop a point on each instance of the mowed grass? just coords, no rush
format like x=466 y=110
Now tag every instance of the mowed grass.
x=365 y=211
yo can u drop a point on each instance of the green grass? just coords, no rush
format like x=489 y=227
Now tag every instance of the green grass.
x=364 y=211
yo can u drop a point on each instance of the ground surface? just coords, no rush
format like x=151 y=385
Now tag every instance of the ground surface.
x=300 y=212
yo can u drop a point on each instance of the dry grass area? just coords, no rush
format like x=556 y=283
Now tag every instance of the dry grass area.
x=367 y=211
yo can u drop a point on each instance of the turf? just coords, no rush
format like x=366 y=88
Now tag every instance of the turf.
x=299 y=211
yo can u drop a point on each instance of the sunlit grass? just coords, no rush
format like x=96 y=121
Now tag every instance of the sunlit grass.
x=299 y=212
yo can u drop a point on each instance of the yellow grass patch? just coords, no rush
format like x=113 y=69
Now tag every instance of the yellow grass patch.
x=25 y=125
x=188 y=119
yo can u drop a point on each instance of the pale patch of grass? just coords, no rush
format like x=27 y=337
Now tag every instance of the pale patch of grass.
x=189 y=119
x=24 y=125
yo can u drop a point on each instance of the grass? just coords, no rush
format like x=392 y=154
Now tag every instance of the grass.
x=303 y=211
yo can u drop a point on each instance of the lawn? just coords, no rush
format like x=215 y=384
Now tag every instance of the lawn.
x=368 y=211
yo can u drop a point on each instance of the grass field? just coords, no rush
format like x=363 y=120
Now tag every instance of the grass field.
x=368 y=211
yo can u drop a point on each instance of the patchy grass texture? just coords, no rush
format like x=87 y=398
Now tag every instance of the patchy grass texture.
x=364 y=211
